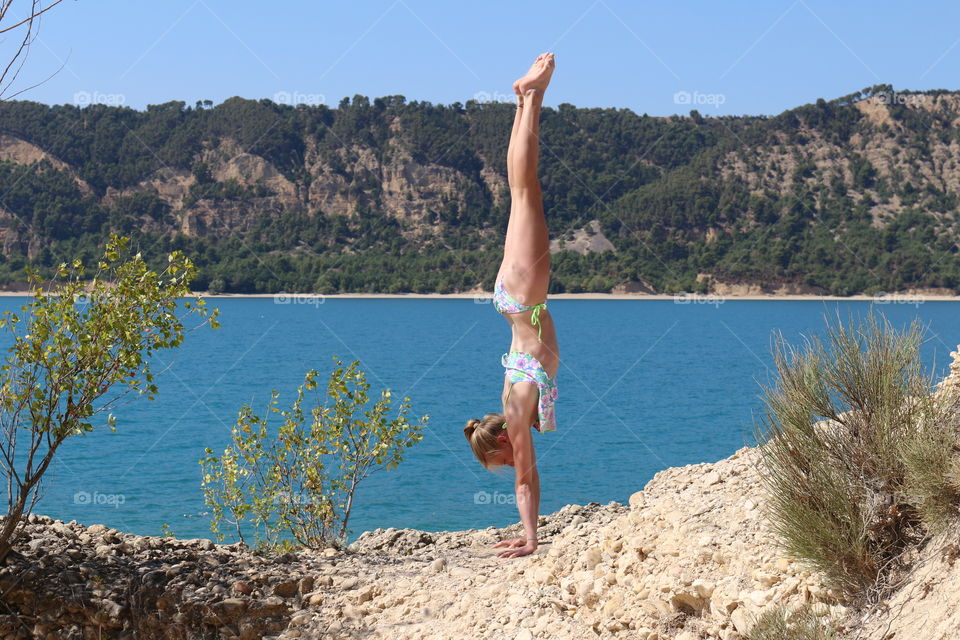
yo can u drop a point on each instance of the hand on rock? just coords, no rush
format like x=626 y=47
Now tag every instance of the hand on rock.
x=518 y=547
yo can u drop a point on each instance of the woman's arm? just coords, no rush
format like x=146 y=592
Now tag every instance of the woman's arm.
x=527 y=480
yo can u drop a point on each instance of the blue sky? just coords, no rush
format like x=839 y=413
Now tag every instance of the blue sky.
x=732 y=57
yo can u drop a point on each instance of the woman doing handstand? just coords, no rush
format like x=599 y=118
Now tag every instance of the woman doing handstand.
x=529 y=387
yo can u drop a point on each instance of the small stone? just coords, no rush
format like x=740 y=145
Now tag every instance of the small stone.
x=229 y=608
x=711 y=478
x=703 y=588
x=285 y=589
x=243 y=587
x=584 y=588
x=593 y=557
x=305 y=585
x=524 y=634
x=300 y=619
x=272 y=606
x=687 y=603
x=97 y=528
x=740 y=621
x=438 y=565
x=348 y=583
x=542 y=575
x=113 y=609
x=767 y=580
x=613 y=603
x=363 y=595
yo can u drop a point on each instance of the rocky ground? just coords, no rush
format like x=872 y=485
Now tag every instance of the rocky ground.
x=690 y=558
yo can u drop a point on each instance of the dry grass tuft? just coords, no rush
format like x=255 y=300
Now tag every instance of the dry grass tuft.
x=780 y=624
x=859 y=458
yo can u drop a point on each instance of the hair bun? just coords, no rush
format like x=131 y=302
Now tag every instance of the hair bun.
x=471 y=427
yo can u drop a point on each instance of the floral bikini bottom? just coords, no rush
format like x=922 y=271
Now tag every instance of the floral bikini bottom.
x=523 y=367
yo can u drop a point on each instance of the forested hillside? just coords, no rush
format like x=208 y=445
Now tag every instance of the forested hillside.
x=853 y=195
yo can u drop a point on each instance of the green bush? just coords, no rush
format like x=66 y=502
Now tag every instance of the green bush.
x=848 y=493
x=80 y=349
x=296 y=486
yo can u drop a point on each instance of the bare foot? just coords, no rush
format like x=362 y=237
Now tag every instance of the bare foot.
x=538 y=77
x=516 y=83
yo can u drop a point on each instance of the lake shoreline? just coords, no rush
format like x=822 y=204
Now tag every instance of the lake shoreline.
x=483 y=297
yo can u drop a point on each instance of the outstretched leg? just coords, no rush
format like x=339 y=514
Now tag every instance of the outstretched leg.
x=526 y=254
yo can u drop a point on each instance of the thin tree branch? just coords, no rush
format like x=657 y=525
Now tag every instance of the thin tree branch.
x=30 y=18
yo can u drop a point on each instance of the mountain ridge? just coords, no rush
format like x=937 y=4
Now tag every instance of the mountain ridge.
x=853 y=195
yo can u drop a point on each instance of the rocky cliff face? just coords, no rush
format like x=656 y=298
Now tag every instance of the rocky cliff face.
x=927 y=156
x=354 y=178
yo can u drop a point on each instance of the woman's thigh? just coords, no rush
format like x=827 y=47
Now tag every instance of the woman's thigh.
x=526 y=251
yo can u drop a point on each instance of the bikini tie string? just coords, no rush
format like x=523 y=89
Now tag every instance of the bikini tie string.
x=535 y=319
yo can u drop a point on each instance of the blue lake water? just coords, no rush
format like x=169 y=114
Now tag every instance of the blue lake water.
x=644 y=385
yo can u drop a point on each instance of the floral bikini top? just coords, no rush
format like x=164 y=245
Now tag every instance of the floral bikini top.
x=503 y=302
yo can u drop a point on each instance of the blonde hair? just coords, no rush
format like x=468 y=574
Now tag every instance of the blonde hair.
x=482 y=435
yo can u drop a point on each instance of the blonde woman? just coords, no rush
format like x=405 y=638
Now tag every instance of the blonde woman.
x=529 y=387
